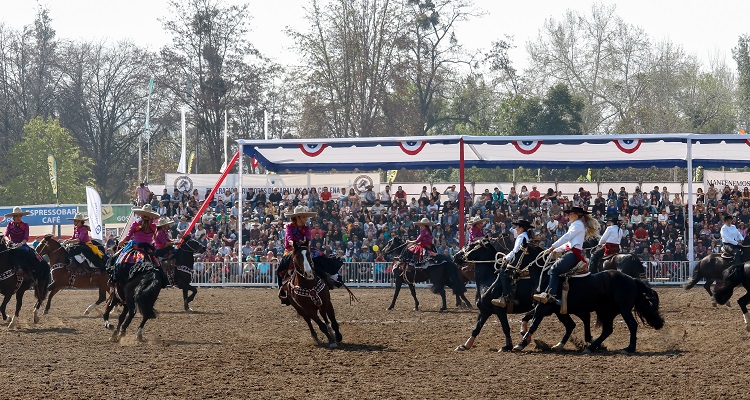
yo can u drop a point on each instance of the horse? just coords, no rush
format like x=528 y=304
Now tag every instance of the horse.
x=628 y=264
x=65 y=274
x=140 y=291
x=310 y=296
x=711 y=267
x=489 y=287
x=738 y=274
x=179 y=270
x=608 y=294
x=13 y=280
x=467 y=268
x=445 y=273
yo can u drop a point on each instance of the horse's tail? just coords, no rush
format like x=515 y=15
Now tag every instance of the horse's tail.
x=647 y=305
x=146 y=293
x=697 y=276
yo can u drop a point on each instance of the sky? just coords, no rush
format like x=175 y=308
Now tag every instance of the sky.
x=708 y=30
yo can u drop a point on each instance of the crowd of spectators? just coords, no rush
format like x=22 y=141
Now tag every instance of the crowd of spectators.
x=355 y=226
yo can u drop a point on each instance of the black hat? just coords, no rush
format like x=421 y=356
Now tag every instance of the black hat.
x=728 y=217
x=614 y=219
x=522 y=223
x=577 y=210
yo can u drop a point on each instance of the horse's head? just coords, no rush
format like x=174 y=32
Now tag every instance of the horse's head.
x=392 y=245
x=51 y=250
x=302 y=260
x=192 y=246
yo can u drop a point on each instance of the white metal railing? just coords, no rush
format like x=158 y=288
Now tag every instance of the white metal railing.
x=377 y=274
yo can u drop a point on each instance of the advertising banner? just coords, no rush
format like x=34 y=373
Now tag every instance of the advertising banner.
x=42 y=215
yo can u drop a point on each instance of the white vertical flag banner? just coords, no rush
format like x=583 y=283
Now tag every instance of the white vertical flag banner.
x=182 y=166
x=94 y=203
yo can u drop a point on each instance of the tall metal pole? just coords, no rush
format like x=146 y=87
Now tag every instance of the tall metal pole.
x=140 y=156
x=240 y=219
x=690 y=241
x=461 y=216
x=148 y=126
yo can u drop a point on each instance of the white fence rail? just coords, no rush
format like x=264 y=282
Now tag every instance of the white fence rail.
x=377 y=274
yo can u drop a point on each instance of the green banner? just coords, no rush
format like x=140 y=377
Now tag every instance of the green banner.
x=113 y=213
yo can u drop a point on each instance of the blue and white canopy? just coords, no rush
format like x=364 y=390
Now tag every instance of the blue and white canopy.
x=590 y=151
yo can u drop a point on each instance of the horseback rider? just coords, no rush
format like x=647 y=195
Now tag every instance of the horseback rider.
x=297 y=231
x=512 y=259
x=17 y=234
x=422 y=246
x=162 y=243
x=477 y=228
x=582 y=227
x=80 y=243
x=139 y=246
x=731 y=238
x=610 y=242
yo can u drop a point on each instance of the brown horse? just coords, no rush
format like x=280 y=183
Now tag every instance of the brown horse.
x=711 y=267
x=309 y=295
x=66 y=274
x=13 y=280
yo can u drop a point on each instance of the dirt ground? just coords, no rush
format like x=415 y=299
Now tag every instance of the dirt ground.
x=241 y=343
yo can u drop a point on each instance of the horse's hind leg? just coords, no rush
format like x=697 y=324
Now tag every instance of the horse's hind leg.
x=414 y=295
x=399 y=282
x=3 y=306
x=586 y=320
x=324 y=328
x=742 y=302
x=116 y=334
x=607 y=322
x=19 y=303
x=52 y=289
x=707 y=286
x=108 y=309
x=569 y=325
x=102 y=297
x=482 y=317
x=503 y=317
x=331 y=313
x=627 y=316
x=312 y=330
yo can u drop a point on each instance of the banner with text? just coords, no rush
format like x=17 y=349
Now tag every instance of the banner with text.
x=725 y=178
x=42 y=215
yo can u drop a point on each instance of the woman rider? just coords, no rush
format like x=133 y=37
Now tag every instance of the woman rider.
x=611 y=240
x=513 y=259
x=17 y=233
x=139 y=246
x=81 y=243
x=162 y=243
x=422 y=244
x=582 y=227
x=297 y=231
x=477 y=228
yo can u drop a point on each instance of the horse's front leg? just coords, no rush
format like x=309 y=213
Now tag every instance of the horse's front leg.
x=742 y=302
x=569 y=325
x=19 y=303
x=414 y=295
x=539 y=313
x=399 y=282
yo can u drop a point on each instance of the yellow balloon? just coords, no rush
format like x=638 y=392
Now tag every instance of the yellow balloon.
x=375 y=248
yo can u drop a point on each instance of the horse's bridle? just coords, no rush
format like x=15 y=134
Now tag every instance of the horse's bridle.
x=44 y=245
x=294 y=262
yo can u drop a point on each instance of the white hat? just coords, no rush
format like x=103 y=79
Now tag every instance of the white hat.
x=78 y=217
x=164 y=221
x=425 y=221
x=476 y=219
x=302 y=211
x=145 y=210
x=17 y=211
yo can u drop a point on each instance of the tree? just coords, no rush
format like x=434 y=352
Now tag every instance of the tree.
x=741 y=55
x=350 y=50
x=208 y=67
x=29 y=182
x=558 y=113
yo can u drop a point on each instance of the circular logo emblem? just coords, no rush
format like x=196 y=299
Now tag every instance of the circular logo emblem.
x=183 y=183
x=98 y=229
x=362 y=182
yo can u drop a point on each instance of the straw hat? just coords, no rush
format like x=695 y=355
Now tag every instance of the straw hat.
x=302 y=211
x=164 y=221
x=476 y=220
x=17 y=211
x=78 y=217
x=145 y=211
x=425 y=222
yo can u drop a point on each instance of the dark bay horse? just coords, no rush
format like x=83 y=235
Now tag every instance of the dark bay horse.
x=737 y=275
x=139 y=292
x=499 y=243
x=628 y=264
x=711 y=267
x=14 y=281
x=310 y=296
x=179 y=270
x=608 y=294
x=443 y=274
x=488 y=284
x=67 y=275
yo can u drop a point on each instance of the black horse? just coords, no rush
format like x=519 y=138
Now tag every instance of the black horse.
x=13 y=279
x=141 y=292
x=442 y=274
x=608 y=294
x=711 y=268
x=628 y=264
x=738 y=274
x=488 y=284
x=179 y=269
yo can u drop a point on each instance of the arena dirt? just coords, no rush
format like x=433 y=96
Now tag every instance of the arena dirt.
x=240 y=343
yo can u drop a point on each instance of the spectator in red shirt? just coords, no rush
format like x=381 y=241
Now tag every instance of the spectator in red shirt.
x=325 y=195
x=640 y=234
x=534 y=197
x=656 y=247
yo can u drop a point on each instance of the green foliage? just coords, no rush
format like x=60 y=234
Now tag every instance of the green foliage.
x=29 y=181
x=558 y=113
x=741 y=55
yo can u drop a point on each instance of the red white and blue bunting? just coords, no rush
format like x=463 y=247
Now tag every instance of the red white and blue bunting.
x=412 y=148
x=527 y=146
x=628 y=146
x=312 y=149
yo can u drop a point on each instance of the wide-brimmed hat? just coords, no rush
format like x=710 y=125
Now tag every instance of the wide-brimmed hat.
x=614 y=219
x=476 y=220
x=728 y=217
x=522 y=223
x=145 y=211
x=577 y=210
x=164 y=221
x=425 y=222
x=302 y=211
x=78 y=217
x=17 y=211
x=369 y=187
